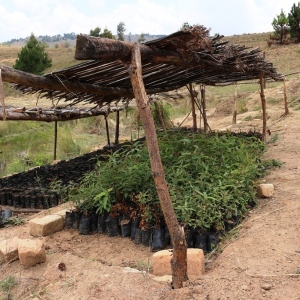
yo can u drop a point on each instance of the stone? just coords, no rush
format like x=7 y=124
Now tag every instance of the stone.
x=9 y=249
x=31 y=252
x=161 y=262
x=61 y=213
x=46 y=225
x=266 y=286
x=265 y=190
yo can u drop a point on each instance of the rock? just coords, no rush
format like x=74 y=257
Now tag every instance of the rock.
x=245 y=287
x=9 y=249
x=266 y=286
x=62 y=213
x=195 y=262
x=265 y=190
x=46 y=225
x=31 y=252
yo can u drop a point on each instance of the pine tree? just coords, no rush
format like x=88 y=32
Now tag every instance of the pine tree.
x=120 y=31
x=280 y=26
x=33 y=58
x=294 y=22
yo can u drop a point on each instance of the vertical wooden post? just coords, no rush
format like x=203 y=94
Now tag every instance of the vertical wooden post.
x=193 y=106
x=286 y=108
x=263 y=105
x=55 y=140
x=117 y=128
x=2 y=97
x=107 y=130
x=161 y=119
x=235 y=105
x=203 y=104
x=179 y=259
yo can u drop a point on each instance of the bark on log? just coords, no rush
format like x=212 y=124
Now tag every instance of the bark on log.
x=88 y=47
x=15 y=76
x=53 y=115
x=179 y=260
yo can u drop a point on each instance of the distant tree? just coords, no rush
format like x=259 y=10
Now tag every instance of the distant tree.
x=105 y=34
x=185 y=26
x=141 y=39
x=120 y=31
x=280 y=26
x=129 y=36
x=33 y=58
x=95 y=32
x=294 y=22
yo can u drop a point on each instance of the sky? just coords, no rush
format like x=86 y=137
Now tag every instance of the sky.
x=20 y=18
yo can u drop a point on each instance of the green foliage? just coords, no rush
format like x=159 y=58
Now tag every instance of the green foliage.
x=185 y=26
x=120 y=31
x=280 y=26
x=33 y=58
x=210 y=179
x=142 y=38
x=105 y=34
x=13 y=221
x=294 y=22
x=8 y=283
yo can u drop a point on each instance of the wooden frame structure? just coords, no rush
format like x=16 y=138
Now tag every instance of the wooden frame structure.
x=119 y=71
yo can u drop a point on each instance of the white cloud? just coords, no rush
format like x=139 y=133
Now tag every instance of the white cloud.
x=49 y=17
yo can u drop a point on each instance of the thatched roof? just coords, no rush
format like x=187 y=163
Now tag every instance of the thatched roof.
x=168 y=63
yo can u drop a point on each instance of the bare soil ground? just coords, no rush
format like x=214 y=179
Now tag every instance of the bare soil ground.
x=260 y=259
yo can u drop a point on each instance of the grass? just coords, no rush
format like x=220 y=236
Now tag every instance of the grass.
x=8 y=283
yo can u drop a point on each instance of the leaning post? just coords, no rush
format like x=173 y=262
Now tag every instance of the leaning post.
x=179 y=259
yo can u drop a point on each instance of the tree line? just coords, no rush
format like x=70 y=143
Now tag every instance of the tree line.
x=287 y=26
x=34 y=59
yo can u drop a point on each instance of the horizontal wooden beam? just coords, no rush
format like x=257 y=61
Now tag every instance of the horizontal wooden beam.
x=56 y=84
x=51 y=115
x=88 y=47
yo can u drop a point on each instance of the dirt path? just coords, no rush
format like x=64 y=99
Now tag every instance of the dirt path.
x=259 y=260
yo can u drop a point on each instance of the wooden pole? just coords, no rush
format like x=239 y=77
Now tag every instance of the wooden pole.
x=2 y=98
x=203 y=104
x=55 y=140
x=179 y=259
x=286 y=108
x=263 y=105
x=107 y=130
x=117 y=128
x=235 y=105
x=193 y=106
x=161 y=119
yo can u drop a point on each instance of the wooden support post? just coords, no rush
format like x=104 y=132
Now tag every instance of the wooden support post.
x=158 y=109
x=193 y=106
x=55 y=140
x=263 y=105
x=117 y=128
x=179 y=259
x=235 y=105
x=203 y=105
x=2 y=98
x=107 y=130
x=286 y=108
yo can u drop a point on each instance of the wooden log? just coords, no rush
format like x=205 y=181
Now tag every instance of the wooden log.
x=54 y=115
x=88 y=47
x=15 y=76
x=179 y=260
